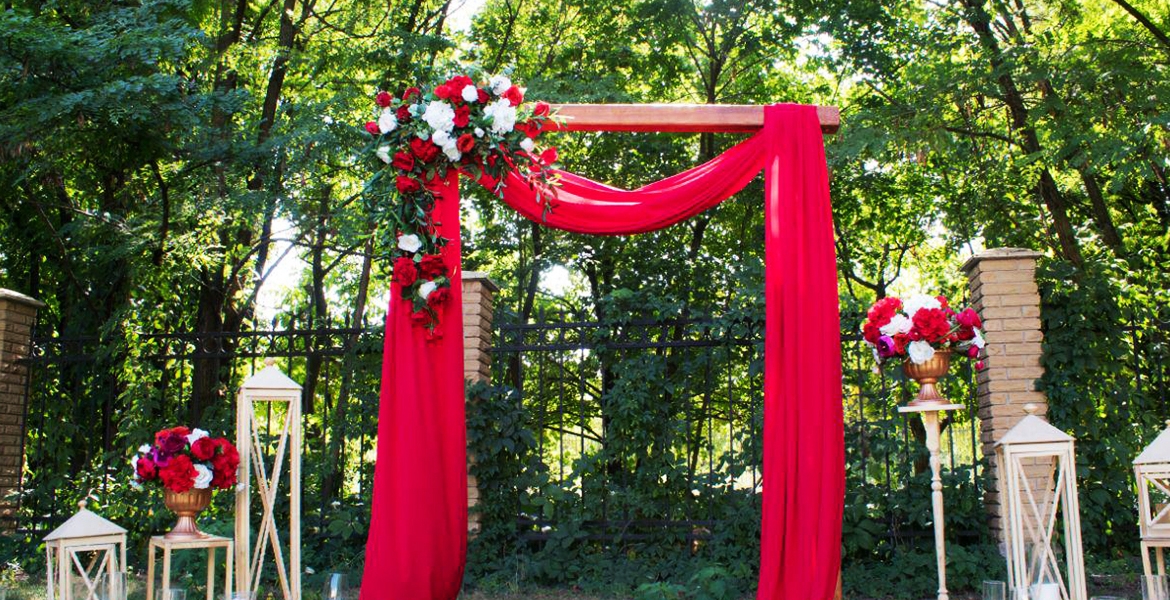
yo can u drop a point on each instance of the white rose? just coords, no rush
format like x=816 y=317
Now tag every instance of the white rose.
x=409 y=243
x=203 y=477
x=527 y=144
x=499 y=84
x=383 y=153
x=978 y=340
x=478 y=132
x=503 y=116
x=900 y=323
x=425 y=289
x=387 y=122
x=920 y=352
x=452 y=153
x=442 y=138
x=439 y=115
x=144 y=449
x=196 y=435
x=470 y=94
x=919 y=301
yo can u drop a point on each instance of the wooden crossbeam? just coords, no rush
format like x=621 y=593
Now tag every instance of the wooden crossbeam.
x=697 y=118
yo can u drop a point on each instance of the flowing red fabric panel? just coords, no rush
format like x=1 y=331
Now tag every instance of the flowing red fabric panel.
x=418 y=530
x=804 y=475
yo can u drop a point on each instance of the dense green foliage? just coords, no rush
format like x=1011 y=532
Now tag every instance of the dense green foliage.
x=160 y=159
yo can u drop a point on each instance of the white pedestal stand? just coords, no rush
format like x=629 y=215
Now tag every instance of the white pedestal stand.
x=930 y=414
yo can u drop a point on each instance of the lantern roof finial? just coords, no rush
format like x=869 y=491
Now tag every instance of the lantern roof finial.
x=271 y=378
x=1158 y=451
x=1033 y=429
x=85 y=523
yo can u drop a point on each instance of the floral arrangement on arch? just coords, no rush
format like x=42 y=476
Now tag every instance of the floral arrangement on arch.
x=182 y=459
x=483 y=129
x=919 y=327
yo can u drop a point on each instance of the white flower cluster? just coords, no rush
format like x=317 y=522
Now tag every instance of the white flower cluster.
x=503 y=116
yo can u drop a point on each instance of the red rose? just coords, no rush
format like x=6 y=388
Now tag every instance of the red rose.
x=438 y=297
x=973 y=352
x=549 y=156
x=404 y=272
x=871 y=332
x=165 y=433
x=931 y=325
x=883 y=310
x=425 y=150
x=432 y=266
x=529 y=128
x=900 y=342
x=146 y=469
x=456 y=85
x=969 y=318
x=203 y=449
x=411 y=91
x=383 y=99
x=942 y=300
x=407 y=184
x=462 y=116
x=514 y=95
x=228 y=455
x=465 y=142
x=372 y=127
x=542 y=109
x=223 y=478
x=179 y=474
x=403 y=114
x=403 y=160
x=482 y=96
x=421 y=318
x=443 y=92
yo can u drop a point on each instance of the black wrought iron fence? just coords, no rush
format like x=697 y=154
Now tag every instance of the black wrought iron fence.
x=644 y=428
x=654 y=428
x=91 y=400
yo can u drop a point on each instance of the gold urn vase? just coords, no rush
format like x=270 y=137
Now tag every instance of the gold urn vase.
x=927 y=375
x=187 y=507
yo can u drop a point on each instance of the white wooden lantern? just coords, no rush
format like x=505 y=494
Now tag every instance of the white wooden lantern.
x=1152 y=468
x=1038 y=487
x=83 y=549
x=273 y=392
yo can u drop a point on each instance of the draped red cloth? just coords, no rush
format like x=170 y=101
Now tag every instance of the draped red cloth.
x=418 y=529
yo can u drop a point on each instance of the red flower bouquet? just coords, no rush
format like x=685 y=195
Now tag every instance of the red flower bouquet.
x=920 y=326
x=182 y=459
x=483 y=129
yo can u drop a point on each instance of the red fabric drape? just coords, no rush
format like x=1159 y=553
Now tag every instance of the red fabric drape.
x=803 y=429
x=418 y=529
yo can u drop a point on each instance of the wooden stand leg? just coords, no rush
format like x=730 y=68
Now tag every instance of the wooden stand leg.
x=211 y=574
x=227 y=576
x=166 y=574
x=1161 y=561
x=150 y=574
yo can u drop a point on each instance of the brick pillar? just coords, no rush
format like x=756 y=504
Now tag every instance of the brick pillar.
x=478 y=293
x=1003 y=289
x=17 y=315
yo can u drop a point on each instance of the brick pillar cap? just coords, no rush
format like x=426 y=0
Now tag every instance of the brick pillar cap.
x=20 y=298
x=481 y=277
x=999 y=254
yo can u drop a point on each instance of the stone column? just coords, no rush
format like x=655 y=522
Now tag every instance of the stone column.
x=17 y=315
x=1002 y=283
x=478 y=293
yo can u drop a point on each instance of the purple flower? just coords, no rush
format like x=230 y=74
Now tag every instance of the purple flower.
x=159 y=457
x=885 y=346
x=173 y=443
